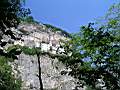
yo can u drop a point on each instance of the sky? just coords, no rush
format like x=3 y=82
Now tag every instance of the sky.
x=68 y=14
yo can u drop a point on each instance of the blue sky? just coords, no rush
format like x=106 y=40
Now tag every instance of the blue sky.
x=68 y=14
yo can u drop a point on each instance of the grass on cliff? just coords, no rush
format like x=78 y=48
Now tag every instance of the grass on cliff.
x=7 y=78
x=55 y=29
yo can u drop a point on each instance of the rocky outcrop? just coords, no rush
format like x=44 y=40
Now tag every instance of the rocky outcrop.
x=54 y=74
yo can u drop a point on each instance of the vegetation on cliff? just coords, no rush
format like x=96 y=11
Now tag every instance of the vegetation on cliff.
x=7 y=76
x=29 y=19
x=95 y=52
x=55 y=29
x=10 y=13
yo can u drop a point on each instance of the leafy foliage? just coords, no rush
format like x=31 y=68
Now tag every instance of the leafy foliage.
x=11 y=11
x=96 y=52
x=29 y=19
x=95 y=56
x=26 y=50
x=7 y=79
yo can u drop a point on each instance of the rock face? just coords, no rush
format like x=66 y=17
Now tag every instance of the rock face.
x=54 y=73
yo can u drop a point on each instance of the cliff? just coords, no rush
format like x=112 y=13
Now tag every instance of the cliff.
x=54 y=73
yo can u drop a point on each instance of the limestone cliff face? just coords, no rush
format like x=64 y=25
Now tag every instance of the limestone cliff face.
x=27 y=65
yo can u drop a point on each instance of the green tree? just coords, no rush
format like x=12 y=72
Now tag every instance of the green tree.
x=11 y=11
x=111 y=19
x=95 y=57
x=7 y=79
x=29 y=19
x=96 y=51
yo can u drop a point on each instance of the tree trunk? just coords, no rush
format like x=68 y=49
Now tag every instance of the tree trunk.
x=39 y=67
